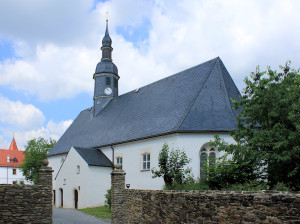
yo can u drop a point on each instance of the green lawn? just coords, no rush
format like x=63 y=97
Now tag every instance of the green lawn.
x=99 y=212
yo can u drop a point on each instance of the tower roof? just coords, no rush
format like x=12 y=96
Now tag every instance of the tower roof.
x=13 y=145
x=196 y=100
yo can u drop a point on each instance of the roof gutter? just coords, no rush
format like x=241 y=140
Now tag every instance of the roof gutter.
x=113 y=156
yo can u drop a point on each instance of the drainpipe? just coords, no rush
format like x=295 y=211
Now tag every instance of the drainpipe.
x=113 y=156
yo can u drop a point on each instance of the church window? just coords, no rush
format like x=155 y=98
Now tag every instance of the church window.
x=146 y=161
x=78 y=169
x=14 y=171
x=207 y=157
x=108 y=81
x=120 y=161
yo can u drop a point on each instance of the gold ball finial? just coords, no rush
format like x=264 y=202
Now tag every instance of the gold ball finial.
x=107 y=12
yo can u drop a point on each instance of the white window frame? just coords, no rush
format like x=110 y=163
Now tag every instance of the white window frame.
x=146 y=161
x=119 y=160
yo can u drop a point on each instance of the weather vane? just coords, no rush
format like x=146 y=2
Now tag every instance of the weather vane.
x=107 y=12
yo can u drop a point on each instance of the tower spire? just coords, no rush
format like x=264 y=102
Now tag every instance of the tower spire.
x=106 y=76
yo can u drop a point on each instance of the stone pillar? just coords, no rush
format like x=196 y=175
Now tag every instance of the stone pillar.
x=118 y=195
x=45 y=181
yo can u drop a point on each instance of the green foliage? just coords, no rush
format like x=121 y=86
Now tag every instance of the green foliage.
x=108 y=198
x=99 y=212
x=196 y=185
x=226 y=172
x=281 y=187
x=268 y=134
x=249 y=186
x=35 y=151
x=171 y=166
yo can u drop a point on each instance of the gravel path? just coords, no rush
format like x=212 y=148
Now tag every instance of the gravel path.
x=73 y=216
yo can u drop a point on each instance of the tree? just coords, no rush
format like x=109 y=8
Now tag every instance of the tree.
x=268 y=132
x=35 y=151
x=171 y=166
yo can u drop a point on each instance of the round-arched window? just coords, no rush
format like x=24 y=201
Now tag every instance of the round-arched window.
x=207 y=156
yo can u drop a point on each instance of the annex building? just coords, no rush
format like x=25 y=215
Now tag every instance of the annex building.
x=184 y=110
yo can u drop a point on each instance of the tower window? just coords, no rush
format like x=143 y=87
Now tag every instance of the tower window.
x=108 y=81
x=115 y=83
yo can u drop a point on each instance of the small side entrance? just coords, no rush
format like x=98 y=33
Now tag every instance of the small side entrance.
x=54 y=197
x=61 y=192
x=76 y=198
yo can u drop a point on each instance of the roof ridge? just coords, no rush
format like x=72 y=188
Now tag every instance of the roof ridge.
x=226 y=88
x=196 y=96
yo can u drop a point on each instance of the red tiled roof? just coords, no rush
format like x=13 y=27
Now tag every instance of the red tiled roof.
x=16 y=156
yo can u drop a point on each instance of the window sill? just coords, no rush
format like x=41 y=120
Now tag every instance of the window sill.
x=145 y=170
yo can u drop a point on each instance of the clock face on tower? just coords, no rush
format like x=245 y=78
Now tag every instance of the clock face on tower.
x=108 y=91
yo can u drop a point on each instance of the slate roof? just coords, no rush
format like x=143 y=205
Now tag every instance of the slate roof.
x=94 y=157
x=194 y=100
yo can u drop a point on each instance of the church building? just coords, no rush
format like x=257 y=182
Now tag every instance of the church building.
x=184 y=110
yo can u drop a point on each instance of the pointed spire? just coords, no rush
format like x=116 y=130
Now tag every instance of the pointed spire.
x=13 y=145
x=106 y=41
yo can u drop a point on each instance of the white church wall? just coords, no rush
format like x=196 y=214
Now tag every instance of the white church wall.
x=98 y=184
x=132 y=156
x=68 y=179
x=55 y=162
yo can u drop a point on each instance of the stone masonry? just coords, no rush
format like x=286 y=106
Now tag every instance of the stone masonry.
x=28 y=203
x=118 y=196
x=159 y=206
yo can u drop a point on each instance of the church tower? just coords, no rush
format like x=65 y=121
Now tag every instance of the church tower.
x=106 y=76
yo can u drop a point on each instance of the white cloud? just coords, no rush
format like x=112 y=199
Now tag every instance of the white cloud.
x=26 y=122
x=181 y=34
x=52 y=130
x=22 y=116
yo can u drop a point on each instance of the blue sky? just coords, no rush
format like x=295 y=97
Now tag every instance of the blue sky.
x=49 y=50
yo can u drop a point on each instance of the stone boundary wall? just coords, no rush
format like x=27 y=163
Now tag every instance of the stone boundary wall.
x=148 y=206
x=28 y=203
x=159 y=206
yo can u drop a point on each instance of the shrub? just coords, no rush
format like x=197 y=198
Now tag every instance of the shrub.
x=108 y=198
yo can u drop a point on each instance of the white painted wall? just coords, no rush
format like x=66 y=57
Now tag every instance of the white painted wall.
x=7 y=176
x=132 y=156
x=68 y=172
x=98 y=184
x=91 y=183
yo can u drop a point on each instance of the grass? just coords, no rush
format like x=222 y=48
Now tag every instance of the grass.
x=99 y=212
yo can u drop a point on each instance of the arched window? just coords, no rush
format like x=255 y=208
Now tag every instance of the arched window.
x=207 y=156
x=212 y=157
x=203 y=161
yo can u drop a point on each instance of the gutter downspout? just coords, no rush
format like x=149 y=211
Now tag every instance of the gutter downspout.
x=113 y=156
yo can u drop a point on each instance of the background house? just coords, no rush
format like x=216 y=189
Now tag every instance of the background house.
x=10 y=161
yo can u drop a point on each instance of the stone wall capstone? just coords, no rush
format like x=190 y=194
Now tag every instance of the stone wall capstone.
x=28 y=203
x=159 y=206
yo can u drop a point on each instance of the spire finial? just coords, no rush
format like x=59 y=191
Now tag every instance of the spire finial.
x=107 y=12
